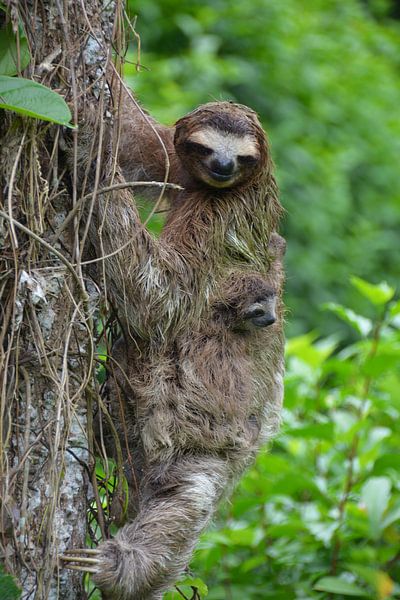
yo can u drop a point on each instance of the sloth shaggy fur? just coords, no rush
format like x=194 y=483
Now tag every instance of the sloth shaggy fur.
x=196 y=392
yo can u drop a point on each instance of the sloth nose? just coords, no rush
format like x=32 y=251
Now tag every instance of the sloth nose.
x=223 y=166
x=265 y=320
x=260 y=315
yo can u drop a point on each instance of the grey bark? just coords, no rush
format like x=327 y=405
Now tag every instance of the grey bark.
x=47 y=310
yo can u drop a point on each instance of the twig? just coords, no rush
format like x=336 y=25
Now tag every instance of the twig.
x=90 y=551
x=109 y=188
x=132 y=27
x=10 y=191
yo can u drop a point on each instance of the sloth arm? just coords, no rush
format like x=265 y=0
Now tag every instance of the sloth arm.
x=152 y=284
x=141 y=154
x=146 y=149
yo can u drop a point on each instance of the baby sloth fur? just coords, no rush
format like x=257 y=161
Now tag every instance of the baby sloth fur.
x=199 y=387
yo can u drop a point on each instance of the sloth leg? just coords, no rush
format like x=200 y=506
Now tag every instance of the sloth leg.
x=148 y=555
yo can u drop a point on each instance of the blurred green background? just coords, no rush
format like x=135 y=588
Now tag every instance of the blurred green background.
x=324 y=76
x=319 y=515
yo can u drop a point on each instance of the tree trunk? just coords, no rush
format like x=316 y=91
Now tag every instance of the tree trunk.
x=48 y=306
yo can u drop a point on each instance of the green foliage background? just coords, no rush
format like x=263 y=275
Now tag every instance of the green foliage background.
x=318 y=516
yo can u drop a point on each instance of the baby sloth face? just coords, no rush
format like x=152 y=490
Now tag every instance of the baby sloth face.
x=260 y=313
x=250 y=305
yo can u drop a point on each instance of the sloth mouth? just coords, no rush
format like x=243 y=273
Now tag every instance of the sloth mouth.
x=220 y=176
x=220 y=180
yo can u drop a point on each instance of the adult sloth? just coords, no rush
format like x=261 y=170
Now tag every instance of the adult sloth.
x=206 y=381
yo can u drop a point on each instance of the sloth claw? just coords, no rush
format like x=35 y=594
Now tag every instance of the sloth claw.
x=94 y=551
x=81 y=559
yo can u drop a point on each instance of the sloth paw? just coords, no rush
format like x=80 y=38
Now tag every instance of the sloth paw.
x=107 y=564
x=81 y=559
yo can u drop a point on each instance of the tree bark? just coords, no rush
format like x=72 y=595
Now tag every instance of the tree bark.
x=48 y=306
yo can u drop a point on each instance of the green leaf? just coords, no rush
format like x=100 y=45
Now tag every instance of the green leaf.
x=9 y=51
x=8 y=587
x=375 y=495
x=252 y=563
x=394 y=314
x=32 y=99
x=391 y=517
x=359 y=323
x=377 y=578
x=386 y=462
x=197 y=583
x=379 y=293
x=313 y=354
x=395 y=309
x=384 y=362
x=336 y=585
x=289 y=529
x=247 y=536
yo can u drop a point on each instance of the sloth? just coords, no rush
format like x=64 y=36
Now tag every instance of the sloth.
x=201 y=307
x=248 y=301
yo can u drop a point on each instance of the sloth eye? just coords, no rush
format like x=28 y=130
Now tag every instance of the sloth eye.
x=248 y=160
x=265 y=297
x=198 y=148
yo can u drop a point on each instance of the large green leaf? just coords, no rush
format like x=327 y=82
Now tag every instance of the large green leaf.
x=305 y=349
x=358 y=322
x=197 y=583
x=375 y=495
x=336 y=585
x=32 y=99
x=376 y=293
x=9 y=51
x=185 y=586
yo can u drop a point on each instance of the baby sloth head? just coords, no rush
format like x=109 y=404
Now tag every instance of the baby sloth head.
x=250 y=304
x=221 y=144
x=260 y=313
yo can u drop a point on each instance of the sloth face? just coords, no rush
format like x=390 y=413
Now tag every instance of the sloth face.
x=221 y=159
x=221 y=144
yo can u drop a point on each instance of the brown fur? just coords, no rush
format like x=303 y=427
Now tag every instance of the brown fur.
x=201 y=409
x=206 y=394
